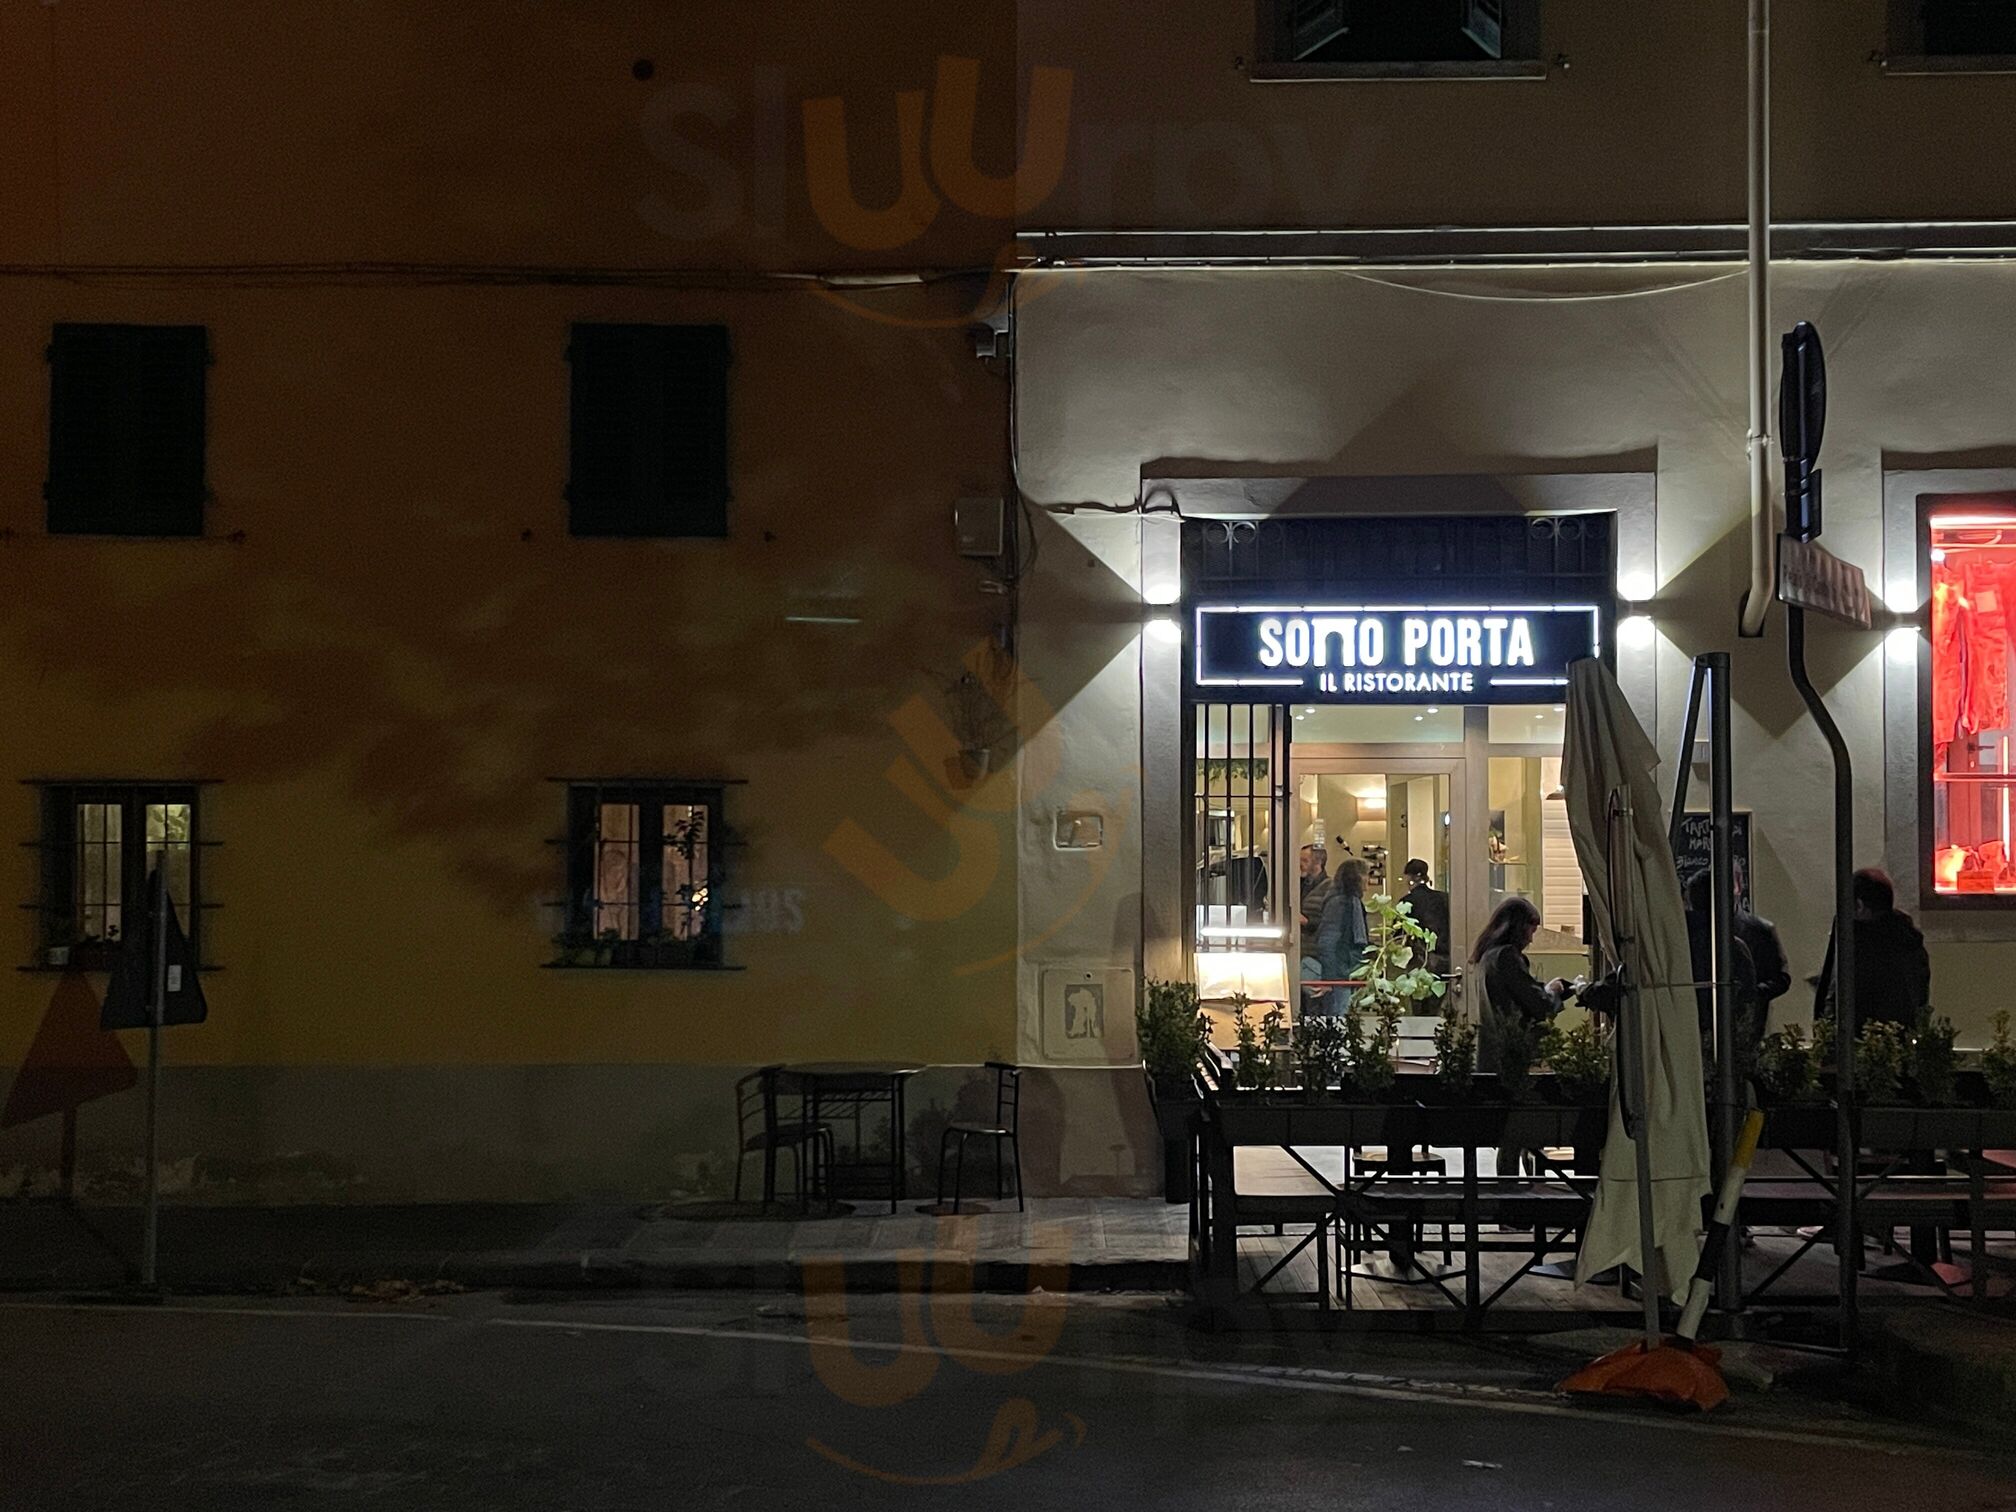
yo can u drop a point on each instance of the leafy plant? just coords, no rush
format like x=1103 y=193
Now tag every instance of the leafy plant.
x=1256 y=1043
x=1247 y=1038
x=1391 y=980
x=1171 y=1030
x=1579 y=1059
x=1932 y=1068
x=1455 y=1051
x=1879 y=1062
x=1518 y=1044
x=1319 y=1053
x=1998 y=1064
x=1788 y=1067
x=1370 y=1052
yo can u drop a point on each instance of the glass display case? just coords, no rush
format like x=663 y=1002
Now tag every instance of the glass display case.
x=1970 y=797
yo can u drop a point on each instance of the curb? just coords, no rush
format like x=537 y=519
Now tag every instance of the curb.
x=612 y=1270
x=1958 y=1366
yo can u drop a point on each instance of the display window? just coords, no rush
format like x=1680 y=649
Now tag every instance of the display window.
x=1970 y=785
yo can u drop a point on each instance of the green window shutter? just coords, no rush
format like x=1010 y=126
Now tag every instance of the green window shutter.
x=649 y=431
x=126 y=430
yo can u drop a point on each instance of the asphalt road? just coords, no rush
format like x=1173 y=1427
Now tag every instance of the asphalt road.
x=674 y=1403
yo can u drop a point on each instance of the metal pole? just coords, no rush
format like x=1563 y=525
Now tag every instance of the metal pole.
x=1639 y=1129
x=1763 y=530
x=157 y=1005
x=1847 y=1231
x=1729 y=1274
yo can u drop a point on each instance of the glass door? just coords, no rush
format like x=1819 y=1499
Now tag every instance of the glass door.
x=1381 y=812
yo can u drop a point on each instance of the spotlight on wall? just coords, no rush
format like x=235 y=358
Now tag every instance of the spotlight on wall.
x=1165 y=629
x=1635 y=587
x=1635 y=631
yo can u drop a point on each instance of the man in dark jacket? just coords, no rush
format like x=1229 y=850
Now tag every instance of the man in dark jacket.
x=1431 y=912
x=1893 y=971
x=1748 y=1012
x=1767 y=953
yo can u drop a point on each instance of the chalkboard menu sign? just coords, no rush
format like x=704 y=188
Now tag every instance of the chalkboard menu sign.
x=1696 y=849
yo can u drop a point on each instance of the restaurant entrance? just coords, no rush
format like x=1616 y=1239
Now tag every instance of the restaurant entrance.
x=1472 y=792
x=1389 y=689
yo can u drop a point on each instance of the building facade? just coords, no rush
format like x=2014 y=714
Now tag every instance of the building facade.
x=529 y=778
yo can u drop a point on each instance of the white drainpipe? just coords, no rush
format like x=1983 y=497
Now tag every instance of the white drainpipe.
x=1763 y=521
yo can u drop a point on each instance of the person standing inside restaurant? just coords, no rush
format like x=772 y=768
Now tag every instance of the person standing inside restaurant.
x=1343 y=934
x=1893 y=971
x=1315 y=886
x=1431 y=911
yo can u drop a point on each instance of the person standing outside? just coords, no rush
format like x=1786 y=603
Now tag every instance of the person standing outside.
x=1431 y=911
x=1767 y=953
x=1893 y=970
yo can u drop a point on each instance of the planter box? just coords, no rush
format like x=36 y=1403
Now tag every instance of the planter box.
x=1800 y=1126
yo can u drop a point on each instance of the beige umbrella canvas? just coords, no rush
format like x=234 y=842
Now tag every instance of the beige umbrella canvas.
x=1607 y=754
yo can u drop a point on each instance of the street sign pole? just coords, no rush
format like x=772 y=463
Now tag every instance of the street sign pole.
x=157 y=1005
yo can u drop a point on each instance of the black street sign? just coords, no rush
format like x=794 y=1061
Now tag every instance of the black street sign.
x=1812 y=577
x=128 y=998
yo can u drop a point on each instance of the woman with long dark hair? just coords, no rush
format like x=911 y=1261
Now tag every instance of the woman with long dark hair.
x=1512 y=995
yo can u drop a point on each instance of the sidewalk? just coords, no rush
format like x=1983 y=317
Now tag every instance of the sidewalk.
x=1114 y=1244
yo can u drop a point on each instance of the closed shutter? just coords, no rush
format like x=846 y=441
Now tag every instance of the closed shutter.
x=126 y=430
x=649 y=450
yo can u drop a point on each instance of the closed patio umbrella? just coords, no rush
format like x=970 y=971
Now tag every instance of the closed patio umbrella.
x=1617 y=820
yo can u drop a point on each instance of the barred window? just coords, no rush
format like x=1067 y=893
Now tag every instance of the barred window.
x=126 y=430
x=99 y=843
x=646 y=874
x=649 y=452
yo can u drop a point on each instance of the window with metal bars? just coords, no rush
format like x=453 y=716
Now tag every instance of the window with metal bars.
x=99 y=843
x=1349 y=37
x=1238 y=824
x=649 y=451
x=646 y=873
x=126 y=430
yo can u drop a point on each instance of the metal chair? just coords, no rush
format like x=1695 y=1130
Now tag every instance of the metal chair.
x=762 y=1129
x=1005 y=1129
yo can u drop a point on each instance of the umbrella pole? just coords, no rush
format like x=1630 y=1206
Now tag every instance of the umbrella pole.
x=1638 y=1127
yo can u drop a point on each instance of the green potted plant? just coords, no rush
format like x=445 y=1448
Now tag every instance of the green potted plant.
x=1173 y=1034
x=1391 y=978
x=1319 y=1054
x=1933 y=1072
x=1998 y=1065
x=1879 y=1063
x=1788 y=1066
x=1455 y=1053
x=1580 y=1060
x=1370 y=1039
x=1518 y=1046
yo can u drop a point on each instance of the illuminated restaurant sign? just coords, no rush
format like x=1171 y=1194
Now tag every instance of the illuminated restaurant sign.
x=1380 y=653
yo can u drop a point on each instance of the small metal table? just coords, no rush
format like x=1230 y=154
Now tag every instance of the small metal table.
x=854 y=1085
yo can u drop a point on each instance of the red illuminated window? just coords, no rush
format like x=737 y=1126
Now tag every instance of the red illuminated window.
x=1971 y=744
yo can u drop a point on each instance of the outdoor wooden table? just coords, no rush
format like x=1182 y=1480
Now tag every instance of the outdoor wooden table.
x=855 y=1085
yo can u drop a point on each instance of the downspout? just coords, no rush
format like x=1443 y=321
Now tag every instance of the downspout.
x=1763 y=522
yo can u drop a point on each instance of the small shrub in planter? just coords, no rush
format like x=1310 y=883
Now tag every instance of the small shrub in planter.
x=1932 y=1068
x=1580 y=1061
x=1998 y=1065
x=1172 y=1033
x=1319 y=1053
x=1257 y=1067
x=1369 y=1048
x=1518 y=1045
x=1455 y=1053
x=1879 y=1062
x=1788 y=1067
